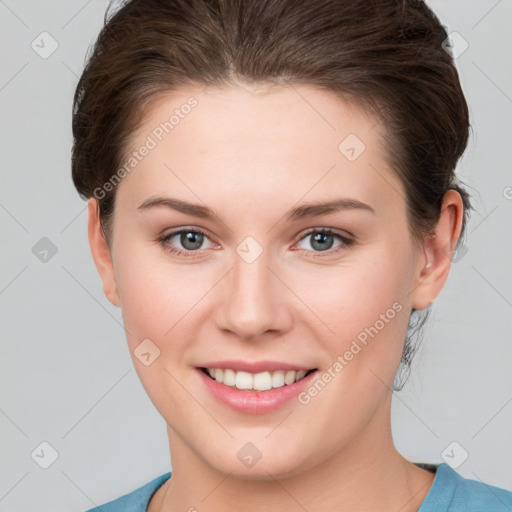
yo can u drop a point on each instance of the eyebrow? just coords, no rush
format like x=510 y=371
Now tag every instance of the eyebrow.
x=300 y=212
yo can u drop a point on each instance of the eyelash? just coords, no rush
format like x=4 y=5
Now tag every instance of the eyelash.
x=346 y=242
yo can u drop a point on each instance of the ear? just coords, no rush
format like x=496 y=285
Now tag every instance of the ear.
x=435 y=263
x=101 y=253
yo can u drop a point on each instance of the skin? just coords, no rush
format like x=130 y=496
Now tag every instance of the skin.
x=251 y=154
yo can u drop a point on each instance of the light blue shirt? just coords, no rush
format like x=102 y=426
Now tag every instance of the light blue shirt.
x=450 y=492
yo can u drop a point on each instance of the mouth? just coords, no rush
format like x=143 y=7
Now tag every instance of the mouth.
x=262 y=381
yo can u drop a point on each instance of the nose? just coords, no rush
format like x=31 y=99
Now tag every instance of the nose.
x=253 y=301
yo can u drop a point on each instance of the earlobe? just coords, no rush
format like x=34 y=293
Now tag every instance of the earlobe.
x=434 y=266
x=101 y=253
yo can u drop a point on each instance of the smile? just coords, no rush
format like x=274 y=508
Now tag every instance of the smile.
x=262 y=381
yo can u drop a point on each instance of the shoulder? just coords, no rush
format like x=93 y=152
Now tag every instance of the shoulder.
x=135 y=501
x=454 y=493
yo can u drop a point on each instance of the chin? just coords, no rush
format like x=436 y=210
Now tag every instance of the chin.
x=269 y=463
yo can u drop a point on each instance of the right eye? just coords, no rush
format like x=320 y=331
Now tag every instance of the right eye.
x=190 y=239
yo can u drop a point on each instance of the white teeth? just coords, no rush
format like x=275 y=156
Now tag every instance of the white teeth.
x=289 y=377
x=243 y=380
x=278 y=379
x=262 y=381
x=258 y=382
x=229 y=377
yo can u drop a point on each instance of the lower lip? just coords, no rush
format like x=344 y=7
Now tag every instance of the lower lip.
x=255 y=402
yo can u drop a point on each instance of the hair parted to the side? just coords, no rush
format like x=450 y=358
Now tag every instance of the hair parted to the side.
x=384 y=55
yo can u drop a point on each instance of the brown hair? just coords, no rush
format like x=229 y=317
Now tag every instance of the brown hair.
x=385 y=55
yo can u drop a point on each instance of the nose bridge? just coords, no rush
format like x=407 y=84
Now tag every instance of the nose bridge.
x=252 y=303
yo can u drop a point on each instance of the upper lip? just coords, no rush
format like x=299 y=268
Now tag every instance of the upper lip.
x=254 y=366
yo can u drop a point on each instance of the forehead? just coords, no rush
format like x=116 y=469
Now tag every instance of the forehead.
x=259 y=144
x=255 y=115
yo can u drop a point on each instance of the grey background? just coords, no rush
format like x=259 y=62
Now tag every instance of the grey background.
x=66 y=376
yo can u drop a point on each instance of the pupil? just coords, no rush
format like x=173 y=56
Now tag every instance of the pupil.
x=191 y=240
x=320 y=238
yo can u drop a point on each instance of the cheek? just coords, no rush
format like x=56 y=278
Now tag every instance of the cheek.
x=361 y=309
x=365 y=307
x=160 y=298
x=351 y=298
x=157 y=300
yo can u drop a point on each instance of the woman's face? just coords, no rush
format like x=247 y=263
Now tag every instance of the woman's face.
x=263 y=291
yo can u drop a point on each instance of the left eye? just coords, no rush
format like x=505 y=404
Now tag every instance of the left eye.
x=191 y=240
x=323 y=239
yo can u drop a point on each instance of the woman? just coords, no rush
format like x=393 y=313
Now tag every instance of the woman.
x=272 y=202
